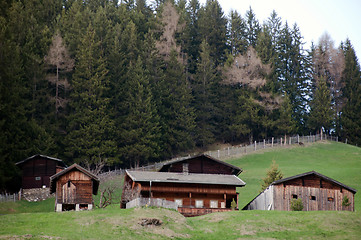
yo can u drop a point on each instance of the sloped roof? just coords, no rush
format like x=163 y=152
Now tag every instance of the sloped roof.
x=317 y=174
x=73 y=167
x=170 y=177
x=236 y=170
x=42 y=156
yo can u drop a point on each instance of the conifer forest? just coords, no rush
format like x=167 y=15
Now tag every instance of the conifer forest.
x=132 y=82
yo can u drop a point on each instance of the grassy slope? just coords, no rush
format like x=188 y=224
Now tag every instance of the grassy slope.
x=336 y=160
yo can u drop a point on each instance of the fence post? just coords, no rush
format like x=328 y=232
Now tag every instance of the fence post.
x=346 y=141
x=298 y=138
x=264 y=143
x=272 y=141
x=255 y=145
x=218 y=153
x=228 y=151
x=281 y=142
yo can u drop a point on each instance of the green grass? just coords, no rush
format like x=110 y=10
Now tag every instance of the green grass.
x=336 y=160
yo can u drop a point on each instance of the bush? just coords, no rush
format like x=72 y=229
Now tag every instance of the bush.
x=296 y=204
x=233 y=204
x=346 y=201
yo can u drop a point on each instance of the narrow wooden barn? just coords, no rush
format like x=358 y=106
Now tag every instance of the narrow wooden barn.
x=37 y=170
x=74 y=188
x=198 y=185
x=317 y=192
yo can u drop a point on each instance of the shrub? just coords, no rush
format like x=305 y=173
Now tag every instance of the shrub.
x=233 y=204
x=296 y=204
x=346 y=201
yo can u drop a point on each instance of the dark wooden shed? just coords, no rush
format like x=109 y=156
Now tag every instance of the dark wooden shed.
x=37 y=170
x=74 y=188
x=318 y=192
x=200 y=164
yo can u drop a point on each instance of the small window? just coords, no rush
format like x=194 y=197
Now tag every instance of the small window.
x=313 y=198
x=199 y=203
x=37 y=178
x=294 y=196
x=179 y=202
x=330 y=199
x=69 y=183
x=223 y=205
x=214 y=204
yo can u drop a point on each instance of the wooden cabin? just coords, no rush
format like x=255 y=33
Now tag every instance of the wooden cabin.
x=317 y=192
x=37 y=170
x=200 y=164
x=74 y=188
x=198 y=185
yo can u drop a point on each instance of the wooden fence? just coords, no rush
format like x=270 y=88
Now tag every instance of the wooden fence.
x=243 y=149
x=6 y=197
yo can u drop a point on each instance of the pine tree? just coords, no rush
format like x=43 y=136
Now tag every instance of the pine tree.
x=204 y=97
x=321 y=114
x=213 y=29
x=90 y=135
x=140 y=129
x=176 y=112
x=273 y=174
x=351 y=77
x=237 y=34
x=252 y=27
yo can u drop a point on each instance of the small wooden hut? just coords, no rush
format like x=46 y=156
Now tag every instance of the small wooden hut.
x=37 y=170
x=317 y=192
x=74 y=188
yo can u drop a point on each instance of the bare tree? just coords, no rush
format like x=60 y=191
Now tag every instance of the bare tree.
x=129 y=193
x=170 y=25
x=109 y=190
x=329 y=62
x=59 y=59
x=247 y=69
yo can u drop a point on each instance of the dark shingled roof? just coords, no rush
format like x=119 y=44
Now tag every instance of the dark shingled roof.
x=236 y=170
x=169 y=177
x=94 y=178
x=317 y=174
x=42 y=156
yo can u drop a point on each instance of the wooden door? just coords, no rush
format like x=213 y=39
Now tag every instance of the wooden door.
x=69 y=192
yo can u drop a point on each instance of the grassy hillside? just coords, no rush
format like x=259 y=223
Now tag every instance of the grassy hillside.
x=336 y=160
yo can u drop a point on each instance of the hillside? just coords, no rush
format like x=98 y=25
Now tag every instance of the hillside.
x=336 y=160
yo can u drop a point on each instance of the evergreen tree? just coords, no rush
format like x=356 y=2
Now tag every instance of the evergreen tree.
x=350 y=117
x=321 y=114
x=90 y=136
x=283 y=123
x=237 y=34
x=204 y=97
x=273 y=174
x=213 y=29
x=252 y=27
x=140 y=129
x=176 y=112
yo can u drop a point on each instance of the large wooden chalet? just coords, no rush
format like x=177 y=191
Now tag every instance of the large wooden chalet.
x=317 y=192
x=199 y=185
x=74 y=188
x=37 y=170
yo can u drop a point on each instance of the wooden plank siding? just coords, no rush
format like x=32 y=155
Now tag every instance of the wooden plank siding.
x=37 y=172
x=313 y=197
x=200 y=165
x=83 y=188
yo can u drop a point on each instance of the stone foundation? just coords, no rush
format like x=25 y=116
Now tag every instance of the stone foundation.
x=36 y=194
x=72 y=207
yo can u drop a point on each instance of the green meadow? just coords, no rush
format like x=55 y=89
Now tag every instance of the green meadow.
x=22 y=220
